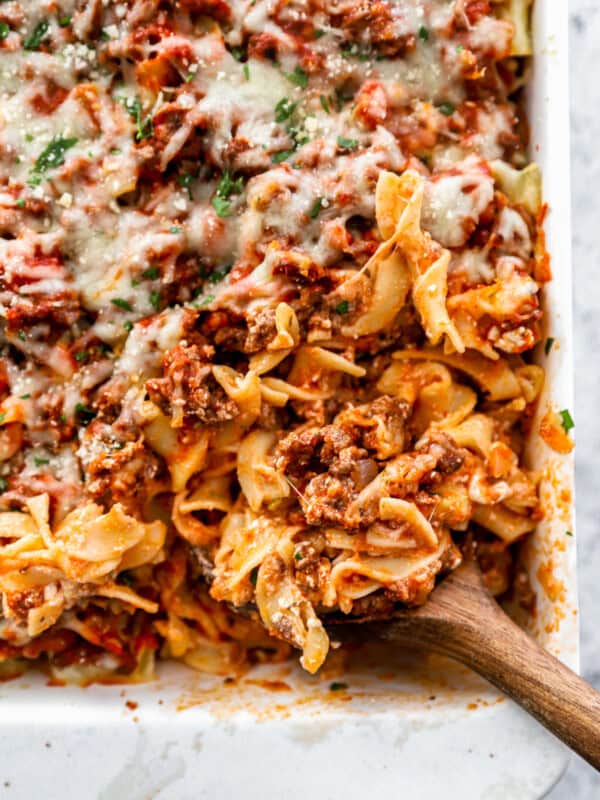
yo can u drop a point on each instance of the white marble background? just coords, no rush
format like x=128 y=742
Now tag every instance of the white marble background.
x=581 y=782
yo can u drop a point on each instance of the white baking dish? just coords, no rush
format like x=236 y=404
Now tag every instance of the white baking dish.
x=408 y=723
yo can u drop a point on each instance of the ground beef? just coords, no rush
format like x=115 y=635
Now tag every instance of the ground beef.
x=330 y=466
x=127 y=475
x=189 y=387
x=261 y=330
x=329 y=470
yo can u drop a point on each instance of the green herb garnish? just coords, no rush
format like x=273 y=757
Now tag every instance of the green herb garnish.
x=548 y=344
x=284 y=109
x=447 y=109
x=246 y=71
x=64 y=22
x=37 y=36
x=52 y=156
x=4 y=30
x=282 y=155
x=254 y=576
x=298 y=77
x=155 y=300
x=324 y=104
x=175 y=229
x=186 y=181
x=144 y=125
x=566 y=420
x=338 y=686
x=86 y=414
x=120 y=303
x=225 y=188
x=423 y=33
x=20 y=202
x=568 y=533
x=81 y=355
x=128 y=325
x=3 y=484
x=343 y=307
x=150 y=274
x=40 y=462
x=347 y=144
x=318 y=33
x=316 y=209
x=206 y=301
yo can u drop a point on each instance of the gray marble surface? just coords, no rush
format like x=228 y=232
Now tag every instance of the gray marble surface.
x=582 y=782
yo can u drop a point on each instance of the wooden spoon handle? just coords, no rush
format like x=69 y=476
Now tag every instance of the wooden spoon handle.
x=479 y=634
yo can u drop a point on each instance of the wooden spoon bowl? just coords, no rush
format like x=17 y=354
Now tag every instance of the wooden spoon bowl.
x=462 y=620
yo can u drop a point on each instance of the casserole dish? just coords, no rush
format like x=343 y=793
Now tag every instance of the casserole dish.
x=393 y=721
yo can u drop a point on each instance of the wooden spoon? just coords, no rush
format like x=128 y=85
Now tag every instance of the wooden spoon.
x=462 y=620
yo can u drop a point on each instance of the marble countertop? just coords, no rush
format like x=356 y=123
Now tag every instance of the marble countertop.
x=581 y=782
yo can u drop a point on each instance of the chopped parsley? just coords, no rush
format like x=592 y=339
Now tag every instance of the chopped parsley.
x=219 y=274
x=120 y=303
x=20 y=202
x=150 y=274
x=128 y=325
x=53 y=155
x=22 y=336
x=205 y=301
x=40 y=462
x=282 y=155
x=298 y=77
x=246 y=72
x=297 y=556
x=548 y=345
x=221 y=206
x=2 y=417
x=338 y=686
x=3 y=484
x=447 y=109
x=185 y=180
x=189 y=77
x=144 y=125
x=64 y=22
x=225 y=188
x=319 y=32
x=254 y=576
x=115 y=151
x=25 y=396
x=175 y=229
x=85 y=414
x=237 y=53
x=284 y=109
x=568 y=533
x=343 y=307
x=324 y=104
x=423 y=33
x=4 y=30
x=155 y=300
x=459 y=48
x=37 y=36
x=316 y=209
x=81 y=355
x=353 y=49
x=347 y=144
x=566 y=420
